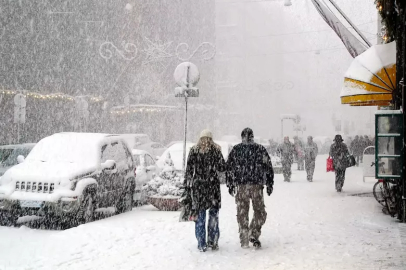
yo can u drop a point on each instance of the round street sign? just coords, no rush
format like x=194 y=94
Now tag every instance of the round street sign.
x=186 y=74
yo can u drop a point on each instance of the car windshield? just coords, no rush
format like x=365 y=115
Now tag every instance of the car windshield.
x=66 y=148
x=137 y=160
x=12 y=158
x=142 y=140
x=4 y=153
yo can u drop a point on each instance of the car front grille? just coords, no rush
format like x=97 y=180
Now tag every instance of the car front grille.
x=35 y=187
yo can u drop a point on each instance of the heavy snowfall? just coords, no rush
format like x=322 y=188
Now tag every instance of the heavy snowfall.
x=202 y=134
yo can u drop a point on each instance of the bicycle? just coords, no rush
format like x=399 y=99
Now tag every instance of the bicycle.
x=388 y=193
x=385 y=192
x=380 y=189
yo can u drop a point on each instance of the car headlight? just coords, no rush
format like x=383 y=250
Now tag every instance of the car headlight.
x=68 y=204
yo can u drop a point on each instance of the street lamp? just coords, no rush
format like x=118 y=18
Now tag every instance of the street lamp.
x=287 y=3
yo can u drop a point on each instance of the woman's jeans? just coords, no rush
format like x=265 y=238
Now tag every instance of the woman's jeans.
x=213 y=227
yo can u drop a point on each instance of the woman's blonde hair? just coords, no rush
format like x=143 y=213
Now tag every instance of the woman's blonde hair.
x=205 y=143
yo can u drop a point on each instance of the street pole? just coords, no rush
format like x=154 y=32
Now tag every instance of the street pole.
x=184 y=140
x=186 y=76
x=18 y=133
x=352 y=25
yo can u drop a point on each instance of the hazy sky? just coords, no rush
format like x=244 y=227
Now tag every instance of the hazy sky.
x=290 y=61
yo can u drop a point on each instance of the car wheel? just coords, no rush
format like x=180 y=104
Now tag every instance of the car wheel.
x=8 y=219
x=126 y=200
x=87 y=206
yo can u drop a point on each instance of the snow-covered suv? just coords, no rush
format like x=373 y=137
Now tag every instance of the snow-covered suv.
x=70 y=175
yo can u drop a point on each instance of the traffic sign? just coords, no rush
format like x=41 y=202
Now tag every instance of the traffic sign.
x=187 y=75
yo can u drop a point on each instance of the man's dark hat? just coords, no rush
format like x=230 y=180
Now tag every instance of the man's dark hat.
x=338 y=138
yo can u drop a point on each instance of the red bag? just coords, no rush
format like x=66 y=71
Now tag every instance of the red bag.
x=330 y=166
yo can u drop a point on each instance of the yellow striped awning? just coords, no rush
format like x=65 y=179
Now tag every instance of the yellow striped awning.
x=371 y=77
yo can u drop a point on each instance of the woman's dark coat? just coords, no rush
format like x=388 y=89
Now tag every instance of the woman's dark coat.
x=339 y=152
x=202 y=178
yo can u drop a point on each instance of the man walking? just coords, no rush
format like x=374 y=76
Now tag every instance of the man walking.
x=286 y=152
x=298 y=152
x=338 y=152
x=249 y=168
x=311 y=151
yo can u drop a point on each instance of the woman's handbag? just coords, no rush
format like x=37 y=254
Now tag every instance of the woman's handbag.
x=350 y=160
x=330 y=166
x=186 y=213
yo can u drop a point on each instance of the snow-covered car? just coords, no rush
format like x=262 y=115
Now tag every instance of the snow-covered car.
x=9 y=155
x=154 y=148
x=174 y=142
x=276 y=164
x=134 y=140
x=176 y=152
x=70 y=175
x=145 y=172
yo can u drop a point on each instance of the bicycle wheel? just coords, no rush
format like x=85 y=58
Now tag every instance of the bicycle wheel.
x=390 y=201
x=379 y=194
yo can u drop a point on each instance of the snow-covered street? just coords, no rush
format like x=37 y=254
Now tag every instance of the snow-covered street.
x=309 y=226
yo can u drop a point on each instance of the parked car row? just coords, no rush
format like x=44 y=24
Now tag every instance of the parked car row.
x=75 y=175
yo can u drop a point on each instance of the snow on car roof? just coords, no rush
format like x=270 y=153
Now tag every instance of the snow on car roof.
x=12 y=146
x=139 y=152
x=81 y=148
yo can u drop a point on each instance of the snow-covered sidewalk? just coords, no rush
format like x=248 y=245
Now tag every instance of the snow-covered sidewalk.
x=309 y=226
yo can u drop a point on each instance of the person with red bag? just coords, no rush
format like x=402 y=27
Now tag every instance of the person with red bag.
x=339 y=152
x=330 y=167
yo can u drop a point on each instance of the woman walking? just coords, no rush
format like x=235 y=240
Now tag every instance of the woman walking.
x=201 y=179
x=338 y=152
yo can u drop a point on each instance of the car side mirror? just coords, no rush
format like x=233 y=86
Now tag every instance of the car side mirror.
x=108 y=165
x=20 y=159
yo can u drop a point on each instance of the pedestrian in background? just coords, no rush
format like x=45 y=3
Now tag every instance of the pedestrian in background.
x=286 y=152
x=339 y=152
x=311 y=151
x=204 y=162
x=299 y=153
x=249 y=169
x=355 y=148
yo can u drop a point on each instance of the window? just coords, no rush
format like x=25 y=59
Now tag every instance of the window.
x=156 y=145
x=137 y=160
x=149 y=160
x=114 y=151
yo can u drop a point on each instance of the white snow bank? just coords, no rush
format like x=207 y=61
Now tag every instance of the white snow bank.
x=309 y=226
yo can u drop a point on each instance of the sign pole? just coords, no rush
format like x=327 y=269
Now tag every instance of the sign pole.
x=18 y=133
x=19 y=120
x=184 y=141
x=186 y=76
